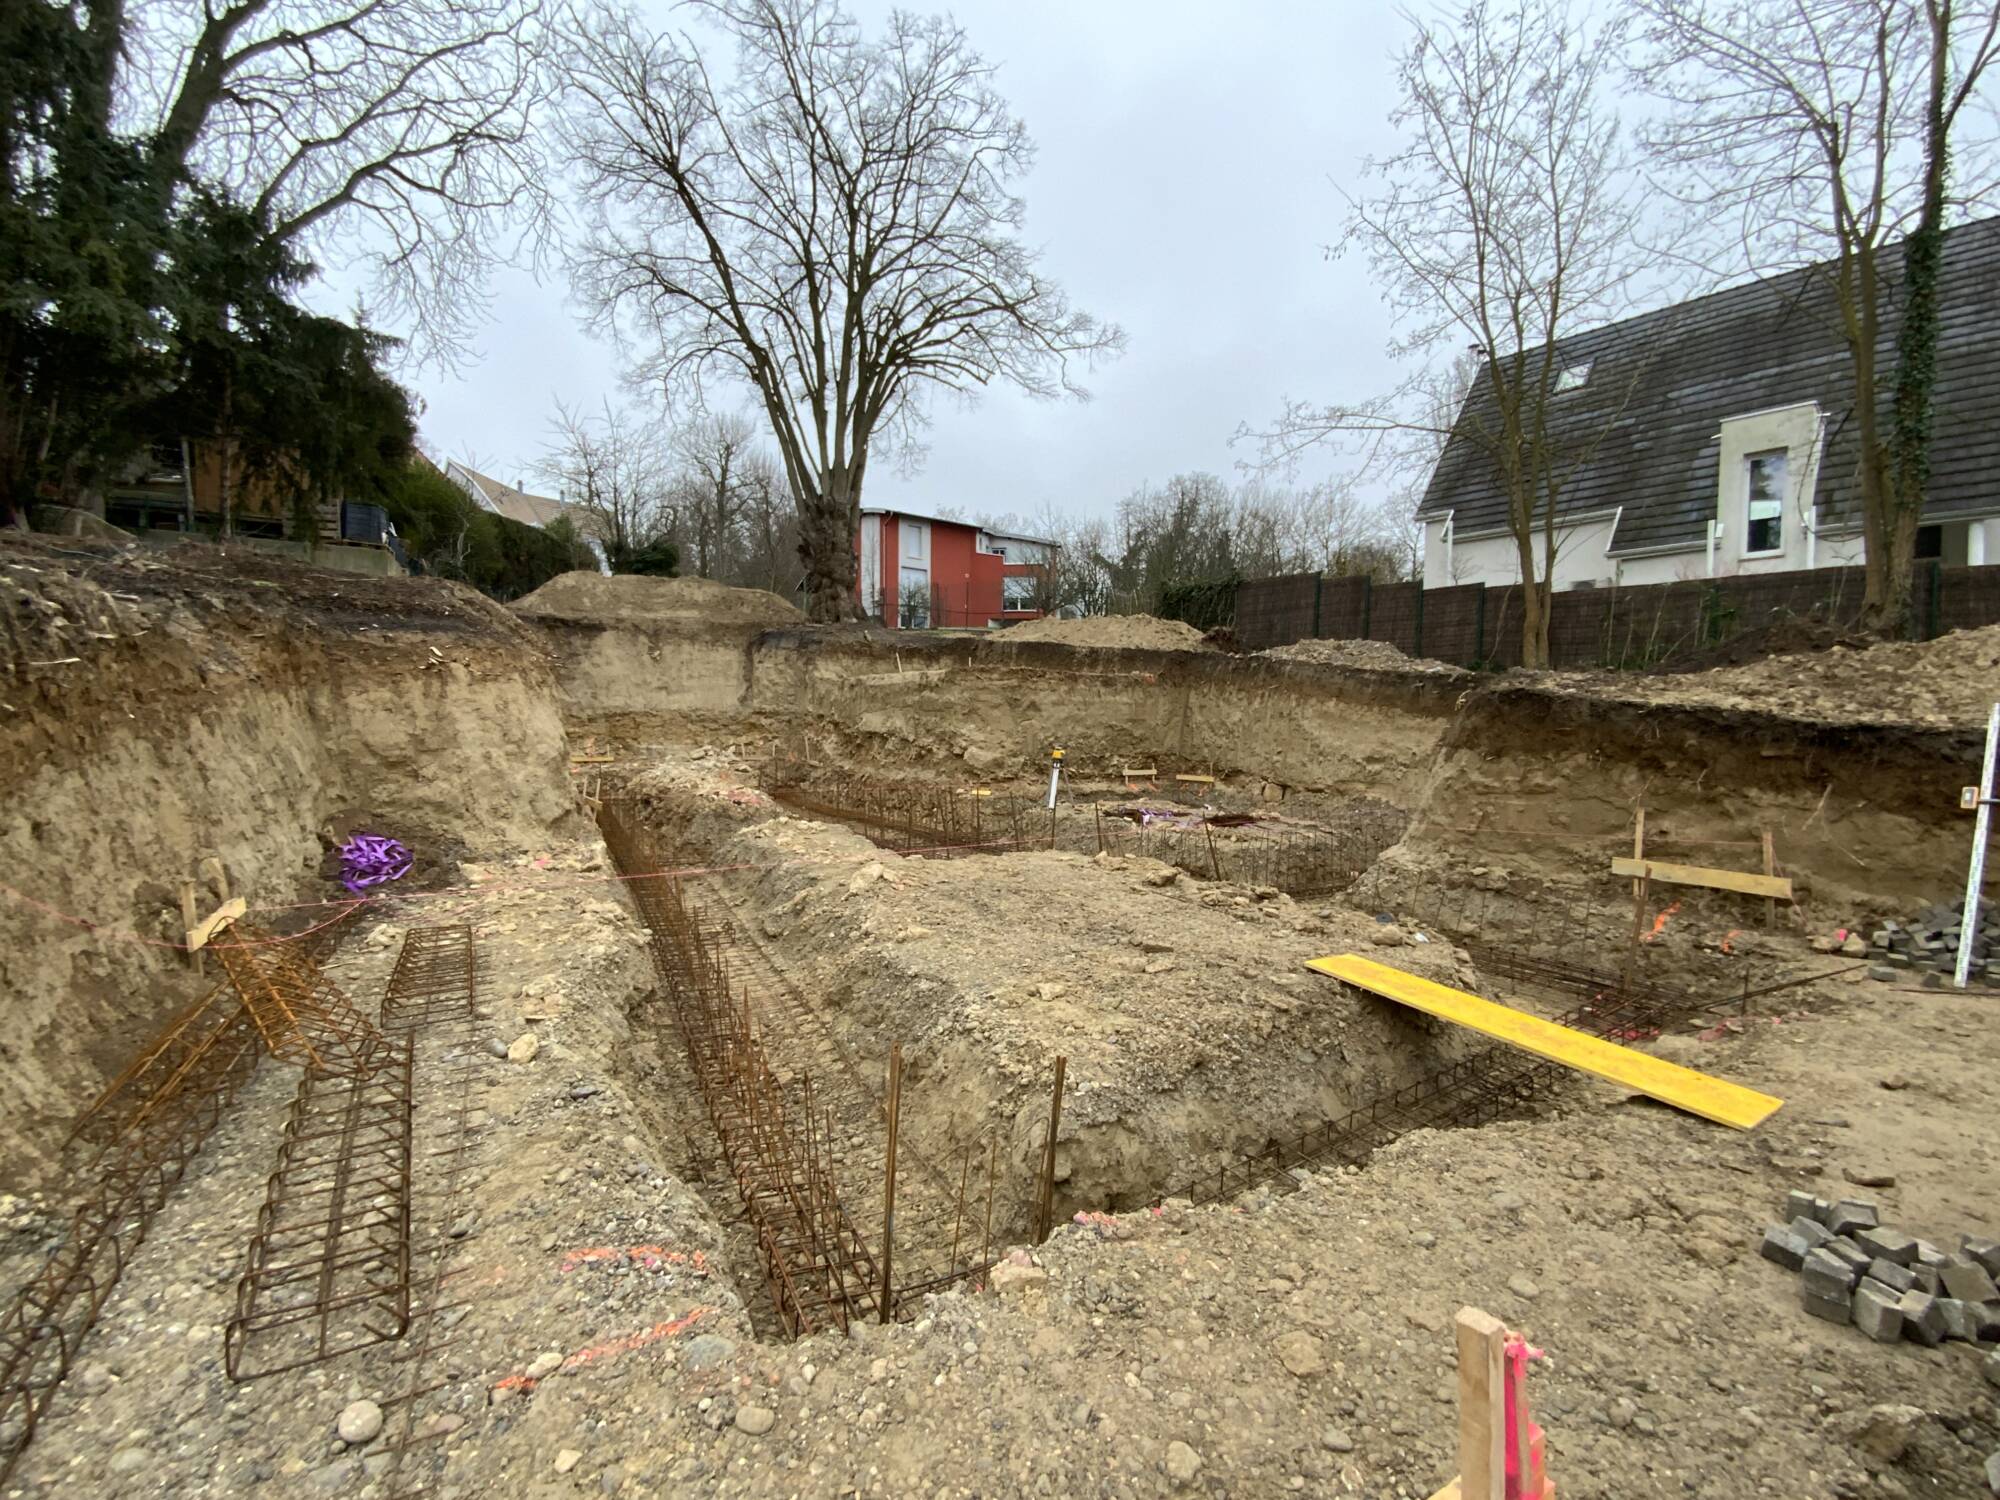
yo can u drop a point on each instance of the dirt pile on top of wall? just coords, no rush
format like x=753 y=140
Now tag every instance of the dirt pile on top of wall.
x=1370 y=656
x=75 y=598
x=1140 y=632
x=1945 y=683
x=631 y=598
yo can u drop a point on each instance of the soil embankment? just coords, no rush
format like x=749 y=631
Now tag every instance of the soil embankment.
x=631 y=645
x=1521 y=787
x=203 y=705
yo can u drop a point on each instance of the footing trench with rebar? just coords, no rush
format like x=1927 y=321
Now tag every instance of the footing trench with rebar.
x=913 y=817
x=804 y=1149
x=328 y=1266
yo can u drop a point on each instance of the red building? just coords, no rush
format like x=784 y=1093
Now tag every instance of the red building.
x=918 y=572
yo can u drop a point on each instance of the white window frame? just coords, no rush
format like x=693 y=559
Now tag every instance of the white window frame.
x=1027 y=582
x=1784 y=466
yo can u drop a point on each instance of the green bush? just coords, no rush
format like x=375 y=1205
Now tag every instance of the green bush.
x=452 y=536
x=1205 y=603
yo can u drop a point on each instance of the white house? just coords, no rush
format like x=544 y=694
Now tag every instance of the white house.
x=1716 y=437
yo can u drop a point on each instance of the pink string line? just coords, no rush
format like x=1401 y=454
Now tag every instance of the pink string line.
x=481 y=891
x=145 y=942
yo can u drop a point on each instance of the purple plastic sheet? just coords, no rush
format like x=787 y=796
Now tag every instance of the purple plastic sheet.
x=367 y=859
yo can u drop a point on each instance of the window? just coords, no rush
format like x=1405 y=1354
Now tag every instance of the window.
x=1018 y=593
x=1930 y=542
x=1764 y=506
x=916 y=540
x=913 y=599
x=1572 y=377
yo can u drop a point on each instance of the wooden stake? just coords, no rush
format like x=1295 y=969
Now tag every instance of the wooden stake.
x=194 y=957
x=1641 y=890
x=1638 y=842
x=1770 y=868
x=1482 y=1427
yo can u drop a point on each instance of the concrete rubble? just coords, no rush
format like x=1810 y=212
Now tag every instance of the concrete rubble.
x=1929 y=944
x=1888 y=1284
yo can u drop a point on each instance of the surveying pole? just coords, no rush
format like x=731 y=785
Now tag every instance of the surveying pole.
x=1979 y=799
x=1055 y=775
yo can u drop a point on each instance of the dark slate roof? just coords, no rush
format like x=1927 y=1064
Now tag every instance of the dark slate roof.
x=1661 y=385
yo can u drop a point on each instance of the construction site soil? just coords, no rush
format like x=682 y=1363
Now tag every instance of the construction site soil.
x=1143 y=632
x=609 y=1326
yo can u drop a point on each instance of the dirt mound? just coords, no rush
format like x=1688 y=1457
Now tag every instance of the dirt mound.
x=1371 y=656
x=1137 y=632
x=1948 y=682
x=627 y=597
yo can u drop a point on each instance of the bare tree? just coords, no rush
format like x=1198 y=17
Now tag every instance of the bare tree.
x=1819 y=131
x=1509 y=220
x=833 y=226
x=391 y=132
x=770 y=526
x=613 y=469
x=711 y=452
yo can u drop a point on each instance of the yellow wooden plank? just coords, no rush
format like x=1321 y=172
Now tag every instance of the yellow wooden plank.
x=1697 y=1093
x=1774 y=886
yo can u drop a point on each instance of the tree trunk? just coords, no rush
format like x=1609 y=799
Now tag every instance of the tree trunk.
x=1886 y=608
x=1534 y=603
x=826 y=546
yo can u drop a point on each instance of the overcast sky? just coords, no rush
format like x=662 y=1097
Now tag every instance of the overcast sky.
x=1184 y=188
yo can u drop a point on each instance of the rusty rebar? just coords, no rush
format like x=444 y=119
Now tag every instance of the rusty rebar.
x=818 y=1269
x=329 y=1261
x=885 y=1299
x=1045 y=1199
x=148 y=1125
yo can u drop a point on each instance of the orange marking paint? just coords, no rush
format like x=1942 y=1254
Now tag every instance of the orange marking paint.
x=592 y=1353
x=1660 y=922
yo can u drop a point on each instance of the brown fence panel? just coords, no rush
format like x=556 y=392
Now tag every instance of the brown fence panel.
x=1652 y=622
x=1576 y=627
x=1275 y=611
x=1344 y=608
x=1756 y=601
x=1968 y=597
x=1395 y=615
x=1454 y=620
x=1503 y=626
x=1631 y=628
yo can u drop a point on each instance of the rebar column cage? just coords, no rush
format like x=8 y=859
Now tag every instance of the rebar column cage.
x=147 y=1127
x=329 y=1263
x=302 y=1015
x=817 y=1268
x=434 y=981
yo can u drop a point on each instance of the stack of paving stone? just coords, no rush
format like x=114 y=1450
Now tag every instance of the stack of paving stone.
x=1855 y=1269
x=1930 y=943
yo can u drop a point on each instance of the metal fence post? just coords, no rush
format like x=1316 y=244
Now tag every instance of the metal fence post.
x=1319 y=592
